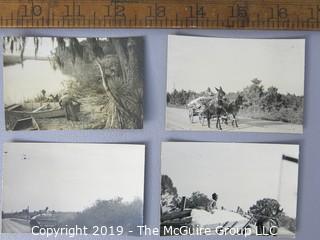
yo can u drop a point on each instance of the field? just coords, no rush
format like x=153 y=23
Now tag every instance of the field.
x=177 y=119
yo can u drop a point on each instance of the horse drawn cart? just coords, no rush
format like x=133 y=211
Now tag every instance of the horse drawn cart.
x=219 y=108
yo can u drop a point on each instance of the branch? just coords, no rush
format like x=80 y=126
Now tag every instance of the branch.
x=123 y=59
x=116 y=99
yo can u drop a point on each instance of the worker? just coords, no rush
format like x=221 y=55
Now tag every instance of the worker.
x=67 y=103
x=213 y=203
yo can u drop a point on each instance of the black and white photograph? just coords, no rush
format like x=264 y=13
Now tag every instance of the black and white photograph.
x=69 y=83
x=229 y=84
x=229 y=189
x=58 y=187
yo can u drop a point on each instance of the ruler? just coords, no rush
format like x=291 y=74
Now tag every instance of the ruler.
x=189 y=14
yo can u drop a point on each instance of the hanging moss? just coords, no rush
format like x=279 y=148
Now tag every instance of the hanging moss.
x=76 y=49
x=36 y=45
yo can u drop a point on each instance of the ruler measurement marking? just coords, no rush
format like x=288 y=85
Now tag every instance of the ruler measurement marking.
x=284 y=14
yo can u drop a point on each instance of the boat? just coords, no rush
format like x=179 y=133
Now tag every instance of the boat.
x=43 y=112
x=26 y=124
x=13 y=107
x=51 y=113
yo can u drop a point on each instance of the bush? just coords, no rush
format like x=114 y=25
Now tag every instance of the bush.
x=198 y=200
x=109 y=213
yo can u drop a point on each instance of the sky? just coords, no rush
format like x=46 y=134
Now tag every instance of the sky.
x=196 y=63
x=70 y=177
x=239 y=173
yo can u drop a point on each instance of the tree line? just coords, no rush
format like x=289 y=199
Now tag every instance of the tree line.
x=111 y=213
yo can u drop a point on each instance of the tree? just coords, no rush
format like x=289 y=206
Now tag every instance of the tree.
x=271 y=99
x=198 y=200
x=267 y=213
x=267 y=208
x=253 y=93
x=169 y=194
x=127 y=95
x=111 y=213
x=168 y=98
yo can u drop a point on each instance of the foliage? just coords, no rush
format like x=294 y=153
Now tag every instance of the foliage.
x=198 y=200
x=171 y=201
x=110 y=67
x=169 y=194
x=270 y=208
x=267 y=208
x=109 y=213
x=271 y=105
x=288 y=223
x=180 y=97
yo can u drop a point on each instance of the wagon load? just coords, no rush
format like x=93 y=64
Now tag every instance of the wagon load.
x=196 y=106
x=218 y=219
x=200 y=218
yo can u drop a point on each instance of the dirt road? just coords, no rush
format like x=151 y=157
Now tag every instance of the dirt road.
x=177 y=119
x=15 y=226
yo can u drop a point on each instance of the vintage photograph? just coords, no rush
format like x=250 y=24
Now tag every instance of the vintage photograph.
x=58 y=186
x=229 y=189
x=67 y=83
x=226 y=84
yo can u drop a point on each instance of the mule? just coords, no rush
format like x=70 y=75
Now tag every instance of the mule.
x=210 y=111
x=233 y=109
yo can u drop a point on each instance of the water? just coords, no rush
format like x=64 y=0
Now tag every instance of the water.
x=27 y=82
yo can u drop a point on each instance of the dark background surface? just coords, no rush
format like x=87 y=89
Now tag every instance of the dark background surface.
x=308 y=215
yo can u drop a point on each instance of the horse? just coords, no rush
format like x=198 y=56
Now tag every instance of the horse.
x=233 y=109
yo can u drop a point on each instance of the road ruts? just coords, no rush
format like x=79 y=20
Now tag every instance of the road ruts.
x=178 y=119
x=15 y=226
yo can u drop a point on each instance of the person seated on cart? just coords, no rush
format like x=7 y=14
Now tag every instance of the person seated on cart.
x=213 y=203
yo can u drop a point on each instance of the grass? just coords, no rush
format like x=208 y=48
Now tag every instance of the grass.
x=286 y=115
